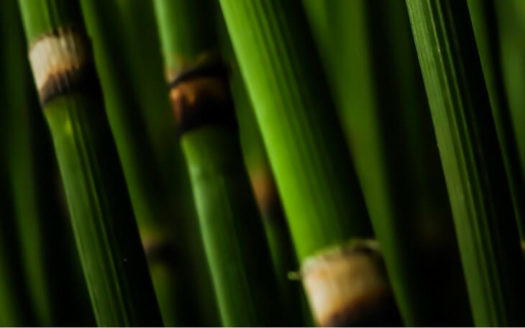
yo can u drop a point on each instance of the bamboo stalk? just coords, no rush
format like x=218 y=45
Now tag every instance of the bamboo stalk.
x=269 y=203
x=313 y=171
x=47 y=247
x=472 y=162
x=233 y=235
x=15 y=306
x=371 y=62
x=486 y=31
x=509 y=17
x=103 y=222
x=165 y=234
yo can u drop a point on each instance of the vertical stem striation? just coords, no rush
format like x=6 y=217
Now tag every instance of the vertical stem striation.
x=472 y=162
x=306 y=148
x=47 y=246
x=232 y=230
x=103 y=222
x=487 y=33
x=368 y=51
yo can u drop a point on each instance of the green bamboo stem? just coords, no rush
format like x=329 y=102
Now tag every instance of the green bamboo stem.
x=15 y=303
x=149 y=194
x=233 y=234
x=15 y=307
x=474 y=169
x=371 y=62
x=232 y=231
x=103 y=222
x=509 y=17
x=484 y=20
x=47 y=247
x=300 y=133
x=269 y=203
x=305 y=146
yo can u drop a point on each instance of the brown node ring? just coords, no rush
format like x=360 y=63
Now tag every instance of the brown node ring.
x=348 y=286
x=62 y=63
x=201 y=96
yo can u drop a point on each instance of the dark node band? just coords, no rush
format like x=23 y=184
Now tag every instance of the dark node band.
x=201 y=96
x=60 y=84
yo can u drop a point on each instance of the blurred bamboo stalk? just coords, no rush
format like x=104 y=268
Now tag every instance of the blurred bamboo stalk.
x=312 y=168
x=486 y=30
x=147 y=63
x=371 y=62
x=268 y=201
x=472 y=162
x=103 y=222
x=44 y=233
x=15 y=307
x=172 y=265
x=232 y=230
x=15 y=303
x=511 y=45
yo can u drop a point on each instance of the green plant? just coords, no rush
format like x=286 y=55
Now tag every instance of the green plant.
x=471 y=157
x=103 y=222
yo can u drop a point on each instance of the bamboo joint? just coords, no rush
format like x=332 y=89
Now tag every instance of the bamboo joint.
x=200 y=94
x=61 y=61
x=348 y=285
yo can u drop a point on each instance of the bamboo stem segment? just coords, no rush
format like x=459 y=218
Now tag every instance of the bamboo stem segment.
x=368 y=52
x=305 y=145
x=103 y=222
x=472 y=162
x=487 y=33
x=133 y=100
x=232 y=230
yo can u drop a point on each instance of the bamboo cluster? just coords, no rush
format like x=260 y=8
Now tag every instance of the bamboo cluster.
x=262 y=163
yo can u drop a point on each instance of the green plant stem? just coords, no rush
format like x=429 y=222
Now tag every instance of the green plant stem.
x=233 y=235
x=103 y=222
x=371 y=62
x=509 y=17
x=15 y=303
x=486 y=31
x=47 y=247
x=232 y=230
x=474 y=169
x=299 y=126
x=269 y=203
x=165 y=234
x=319 y=193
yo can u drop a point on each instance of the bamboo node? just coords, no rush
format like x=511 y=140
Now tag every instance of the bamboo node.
x=347 y=285
x=200 y=95
x=60 y=61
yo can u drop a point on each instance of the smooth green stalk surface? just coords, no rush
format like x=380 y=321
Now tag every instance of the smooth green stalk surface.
x=474 y=169
x=15 y=306
x=103 y=222
x=371 y=62
x=274 y=221
x=306 y=148
x=486 y=30
x=232 y=229
x=15 y=301
x=511 y=25
x=49 y=257
x=164 y=230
